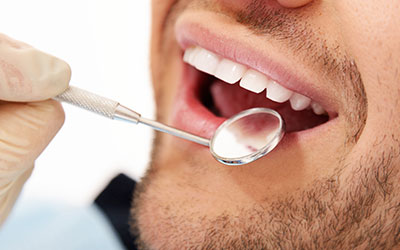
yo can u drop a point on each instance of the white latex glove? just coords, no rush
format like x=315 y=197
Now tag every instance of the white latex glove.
x=28 y=120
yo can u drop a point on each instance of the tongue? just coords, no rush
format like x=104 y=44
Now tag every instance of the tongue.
x=231 y=99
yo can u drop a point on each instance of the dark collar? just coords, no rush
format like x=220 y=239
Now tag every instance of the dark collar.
x=115 y=202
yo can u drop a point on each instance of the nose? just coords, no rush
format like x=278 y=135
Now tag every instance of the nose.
x=293 y=3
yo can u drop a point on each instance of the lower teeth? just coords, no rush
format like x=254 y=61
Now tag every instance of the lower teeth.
x=225 y=100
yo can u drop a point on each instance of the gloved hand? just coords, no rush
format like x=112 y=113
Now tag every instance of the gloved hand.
x=28 y=119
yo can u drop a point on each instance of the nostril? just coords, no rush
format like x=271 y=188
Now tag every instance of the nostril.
x=293 y=3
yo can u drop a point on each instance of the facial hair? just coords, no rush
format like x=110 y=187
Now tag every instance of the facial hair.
x=342 y=211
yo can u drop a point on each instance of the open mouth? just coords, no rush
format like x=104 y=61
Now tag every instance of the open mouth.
x=225 y=88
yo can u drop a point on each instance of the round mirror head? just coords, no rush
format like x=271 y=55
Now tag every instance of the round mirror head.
x=247 y=136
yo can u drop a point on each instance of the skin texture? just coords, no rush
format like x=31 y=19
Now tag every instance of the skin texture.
x=335 y=192
x=28 y=120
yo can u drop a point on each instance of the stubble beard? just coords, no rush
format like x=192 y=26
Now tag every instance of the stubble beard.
x=361 y=210
x=356 y=207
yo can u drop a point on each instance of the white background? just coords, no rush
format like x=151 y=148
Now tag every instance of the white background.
x=106 y=44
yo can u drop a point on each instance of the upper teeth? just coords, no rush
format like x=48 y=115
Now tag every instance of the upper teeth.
x=250 y=79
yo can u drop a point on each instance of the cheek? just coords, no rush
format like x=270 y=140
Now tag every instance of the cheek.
x=371 y=33
x=166 y=72
x=160 y=7
x=162 y=46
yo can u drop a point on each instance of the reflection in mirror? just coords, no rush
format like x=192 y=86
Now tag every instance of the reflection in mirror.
x=248 y=136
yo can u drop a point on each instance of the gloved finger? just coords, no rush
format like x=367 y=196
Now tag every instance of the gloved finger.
x=27 y=74
x=26 y=129
x=9 y=192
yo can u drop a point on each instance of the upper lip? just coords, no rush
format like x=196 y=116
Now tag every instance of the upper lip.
x=266 y=59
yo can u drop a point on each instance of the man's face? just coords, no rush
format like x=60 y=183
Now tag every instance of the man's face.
x=332 y=181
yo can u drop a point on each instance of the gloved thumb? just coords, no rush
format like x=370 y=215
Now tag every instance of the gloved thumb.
x=27 y=74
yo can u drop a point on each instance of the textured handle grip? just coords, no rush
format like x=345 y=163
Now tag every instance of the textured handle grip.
x=92 y=102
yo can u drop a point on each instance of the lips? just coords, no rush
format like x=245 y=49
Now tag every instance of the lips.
x=222 y=76
x=252 y=89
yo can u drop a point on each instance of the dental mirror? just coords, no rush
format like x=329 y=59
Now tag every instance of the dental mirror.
x=247 y=136
x=241 y=139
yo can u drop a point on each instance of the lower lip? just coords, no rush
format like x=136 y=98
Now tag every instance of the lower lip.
x=190 y=115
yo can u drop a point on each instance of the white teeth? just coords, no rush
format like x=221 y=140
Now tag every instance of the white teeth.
x=229 y=71
x=277 y=93
x=254 y=81
x=206 y=61
x=202 y=59
x=318 y=109
x=299 y=102
x=188 y=55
